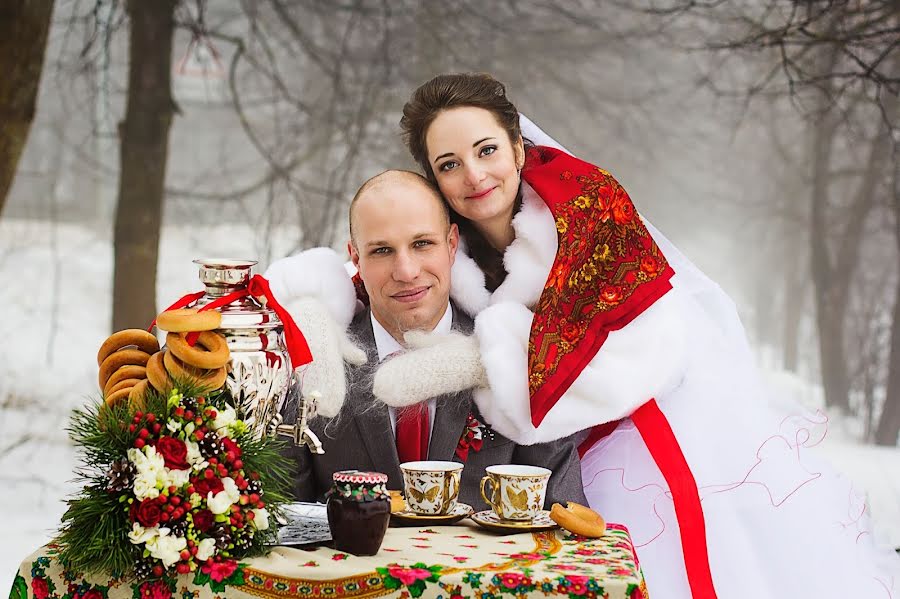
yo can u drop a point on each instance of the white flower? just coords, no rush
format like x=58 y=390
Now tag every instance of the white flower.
x=224 y=419
x=261 y=518
x=234 y=494
x=189 y=429
x=139 y=534
x=194 y=457
x=145 y=488
x=205 y=549
x=219 y=504
x=166 y=547
x=173 y=426
x=177 y=478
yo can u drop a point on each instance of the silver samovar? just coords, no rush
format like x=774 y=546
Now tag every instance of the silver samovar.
x=261 y=379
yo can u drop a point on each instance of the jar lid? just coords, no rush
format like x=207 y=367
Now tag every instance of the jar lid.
x=359 y=477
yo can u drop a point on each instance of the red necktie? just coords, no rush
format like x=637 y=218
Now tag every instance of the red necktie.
x=412 y=433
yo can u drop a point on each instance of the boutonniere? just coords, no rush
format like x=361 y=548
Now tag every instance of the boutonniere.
x=472 y=437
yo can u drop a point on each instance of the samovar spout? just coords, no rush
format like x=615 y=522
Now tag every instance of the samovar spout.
x=300 y=432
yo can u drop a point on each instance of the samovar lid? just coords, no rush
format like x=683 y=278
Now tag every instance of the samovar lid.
x=222 y=276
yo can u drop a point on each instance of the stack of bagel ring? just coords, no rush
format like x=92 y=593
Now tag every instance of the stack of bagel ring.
x=123 y=359
x=203 y=364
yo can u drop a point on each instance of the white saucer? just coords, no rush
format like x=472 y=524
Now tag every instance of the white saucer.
x=488 y=519
x=410 y=518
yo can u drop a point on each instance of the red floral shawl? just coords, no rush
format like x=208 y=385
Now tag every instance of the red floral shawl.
x=607 y=271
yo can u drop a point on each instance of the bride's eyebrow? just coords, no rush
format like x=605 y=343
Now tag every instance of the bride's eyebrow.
x=474 y=145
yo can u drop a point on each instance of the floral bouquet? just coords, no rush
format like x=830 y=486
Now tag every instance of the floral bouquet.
x=177 y=487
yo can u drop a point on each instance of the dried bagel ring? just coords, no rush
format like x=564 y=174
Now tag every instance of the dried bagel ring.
x=157 y=375
x=115 y=360
x=129 y=371
x=123 y=384
x=186 y=320
x=578 y=519
x=144 y=341
x=114 y=398
x=211 y=353
x=137 y=397
x=207 y=379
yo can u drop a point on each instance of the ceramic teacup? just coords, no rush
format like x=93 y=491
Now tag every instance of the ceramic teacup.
x=517 y=491
x=431 y=486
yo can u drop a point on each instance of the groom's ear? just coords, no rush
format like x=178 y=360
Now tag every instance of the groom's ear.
x=354 y=255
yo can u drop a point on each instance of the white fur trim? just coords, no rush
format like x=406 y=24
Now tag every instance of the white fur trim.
x=536 y=135
x=319 y=273
x=530 y=256
x=646 y=359
x=528 y=261
x=467 y=286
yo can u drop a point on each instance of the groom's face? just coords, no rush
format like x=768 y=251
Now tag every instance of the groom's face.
x=403 y=245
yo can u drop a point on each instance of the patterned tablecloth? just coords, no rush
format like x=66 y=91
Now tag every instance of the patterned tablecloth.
x=444 y=562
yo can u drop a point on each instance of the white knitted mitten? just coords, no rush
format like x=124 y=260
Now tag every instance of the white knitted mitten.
x=434 y=365
x=330 y=346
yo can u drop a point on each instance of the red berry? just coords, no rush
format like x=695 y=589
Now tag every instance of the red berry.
x=175 y=500
x=213 y=460
x=208 y=473
x=156 y=428
x=139 y=443
x=188 y=415
x=151 y=417
x=183 y=568
x=131 y=428
x=199 y=434
x=243 y=500
x=260 y=505
x=201 y=400
x=254 y=497
x=238 y=464
x=164 y=517
x=251 y=515
x=194 y=549
x=185 y=554
x=169 y=508
x=158 y=570
x=138 y=414
x=191 y=490
x=143 y=433
x=212 y=414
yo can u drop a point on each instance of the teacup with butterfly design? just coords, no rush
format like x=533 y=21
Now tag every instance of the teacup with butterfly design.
x=431 y=486
x=517 y=491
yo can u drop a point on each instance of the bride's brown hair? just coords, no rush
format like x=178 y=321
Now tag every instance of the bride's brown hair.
x=456 y=90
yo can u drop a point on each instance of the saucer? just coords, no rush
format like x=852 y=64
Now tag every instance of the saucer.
x=410 y=518
x=488 y=519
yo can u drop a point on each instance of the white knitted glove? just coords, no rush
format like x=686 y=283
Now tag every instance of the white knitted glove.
x=330 y=347
x=436 y=364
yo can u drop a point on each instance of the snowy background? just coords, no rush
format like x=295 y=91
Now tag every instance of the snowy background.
x=57 y=278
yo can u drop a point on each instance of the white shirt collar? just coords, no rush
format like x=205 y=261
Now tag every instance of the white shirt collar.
x=387 y=345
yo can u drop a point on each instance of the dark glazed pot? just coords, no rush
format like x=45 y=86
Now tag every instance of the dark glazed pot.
x=359 y=509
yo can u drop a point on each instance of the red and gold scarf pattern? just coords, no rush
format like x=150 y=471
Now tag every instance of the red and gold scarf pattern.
x=608 y=270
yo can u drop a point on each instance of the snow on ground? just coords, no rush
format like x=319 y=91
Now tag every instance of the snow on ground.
x=57 y=285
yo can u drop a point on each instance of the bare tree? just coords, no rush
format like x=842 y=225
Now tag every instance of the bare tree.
x=144 y=139
x=23 y=38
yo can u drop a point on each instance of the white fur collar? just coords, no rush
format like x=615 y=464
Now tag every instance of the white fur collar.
x=528 y=261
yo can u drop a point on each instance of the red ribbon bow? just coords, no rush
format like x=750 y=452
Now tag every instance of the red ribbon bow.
x=259 y=288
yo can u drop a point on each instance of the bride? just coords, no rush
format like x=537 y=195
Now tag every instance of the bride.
x=590 y=322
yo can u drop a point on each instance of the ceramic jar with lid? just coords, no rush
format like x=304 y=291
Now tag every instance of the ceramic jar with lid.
x=359 y=509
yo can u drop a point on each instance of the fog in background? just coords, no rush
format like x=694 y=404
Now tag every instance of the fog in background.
x=771 y=162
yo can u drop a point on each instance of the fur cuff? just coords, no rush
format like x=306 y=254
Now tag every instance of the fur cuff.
x=317 y=273
x=645 y=359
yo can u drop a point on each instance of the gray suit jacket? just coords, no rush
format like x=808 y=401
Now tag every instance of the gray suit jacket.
x=360 y=437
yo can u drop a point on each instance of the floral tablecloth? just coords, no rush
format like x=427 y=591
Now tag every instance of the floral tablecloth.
x=442 y=562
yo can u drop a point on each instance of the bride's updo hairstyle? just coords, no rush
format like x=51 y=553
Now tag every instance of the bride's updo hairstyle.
x=457 y=90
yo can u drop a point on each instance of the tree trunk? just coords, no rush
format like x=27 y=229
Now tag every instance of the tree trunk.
x=889 y=423
x=794 y=293
x=144 y=136
x=23 y=39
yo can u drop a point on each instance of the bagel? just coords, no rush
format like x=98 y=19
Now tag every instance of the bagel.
x=144 y=341
x=117 y=359
x=157 y=375
x=211 y=353
x=138 y=394
x=123 y=384
x=114 y=398
x=186 y=320
x=207 y=379
x=578 y=519
x=130 y=371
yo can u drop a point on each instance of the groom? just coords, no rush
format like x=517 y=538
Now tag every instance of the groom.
x=403 y=245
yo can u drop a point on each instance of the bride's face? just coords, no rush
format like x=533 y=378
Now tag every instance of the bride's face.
x=475 y=163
